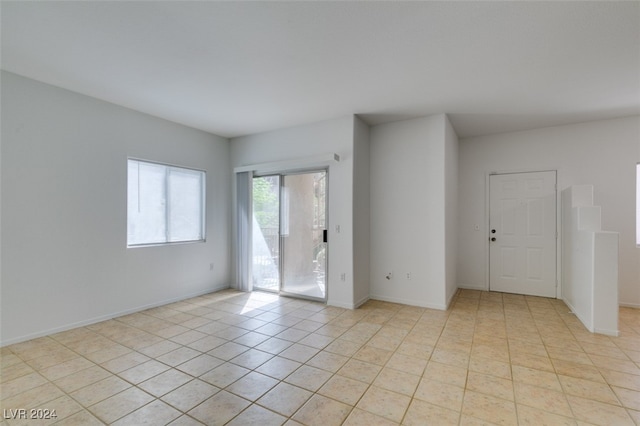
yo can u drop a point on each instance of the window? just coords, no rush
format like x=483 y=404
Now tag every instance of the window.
x=165 y=204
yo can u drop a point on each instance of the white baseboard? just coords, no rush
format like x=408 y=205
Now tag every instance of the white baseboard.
x=409 y=302
x=630 y=305
x=473 y=287
x=106 y=317
x=614 y=333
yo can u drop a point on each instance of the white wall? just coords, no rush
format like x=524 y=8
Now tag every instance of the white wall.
x=408 y=199
x=361 y=212
x=64 y=204
x=451 y=209
x=303 y=142
x=602 y=153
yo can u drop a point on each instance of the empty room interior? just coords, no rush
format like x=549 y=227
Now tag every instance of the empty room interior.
x=320 y=213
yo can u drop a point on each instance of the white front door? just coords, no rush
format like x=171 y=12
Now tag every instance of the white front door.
x=522 y=233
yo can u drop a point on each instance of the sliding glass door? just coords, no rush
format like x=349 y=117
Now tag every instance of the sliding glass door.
x=289 y=234
x=303 y=244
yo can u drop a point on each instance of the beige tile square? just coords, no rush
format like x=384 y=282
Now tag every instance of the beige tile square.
x=588 y=389
x=489 y=408
x=373 y=355
x=360 y=417
x=629 y=398
x=159 y=348
x=446 y=374
x=119 y=405
x=178 y=356
x=528 y=416
x=328 y=361
x=623 y=380
x=190 y=394
x=278 y=367
x=344 y=389
x=219 y=409
x=397 y=381
x=124 y=362
x=14 y=371
x=143 y=371
x=422 y=413
x=322 y=411
x=490 y=367
x=407 y=364
x=441 y=394
x=360 y=370
x=228 y=351
x=21 y=384
x=165 y=382
x=292 y=334
x=309 y=378
x=225 y=374
x=542 y=399
x=104 y=355
x=580 y=371
x=256 y=415
x=450 y=357
x=207 y=344
x=155 y=413
x=298 y=352
x=616 y=364
x=532 y=361
x=343 y=347
x=99 y=391
x=82 y=378
x=317 y=341
x=199 y=365
x=252 y=386
x=490 y=385
x=82 y=418
x=274 y=345
x=538 y=378
x=598 y=413
x=384 y=403
x=66 y=368
x=285 y=399
x=252 y=358
x=32 y=398
x=65 y=407
x=251 y=339
x=330 y=330
x=188 y=337
x=51 y=359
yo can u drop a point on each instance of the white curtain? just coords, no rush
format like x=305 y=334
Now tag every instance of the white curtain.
x=243 y=231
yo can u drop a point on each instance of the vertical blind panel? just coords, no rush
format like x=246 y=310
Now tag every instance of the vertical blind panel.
x=146 y=203
x=185 y=212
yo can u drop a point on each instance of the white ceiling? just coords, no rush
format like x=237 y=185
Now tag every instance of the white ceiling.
x=237 y=68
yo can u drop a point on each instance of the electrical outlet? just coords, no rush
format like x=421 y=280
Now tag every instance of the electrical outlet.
x=343 y=276
x=408 y=275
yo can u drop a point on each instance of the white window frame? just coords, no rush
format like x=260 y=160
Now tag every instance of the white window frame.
x=203 y=204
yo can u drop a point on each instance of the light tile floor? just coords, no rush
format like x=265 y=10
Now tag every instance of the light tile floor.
x=243 y=359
